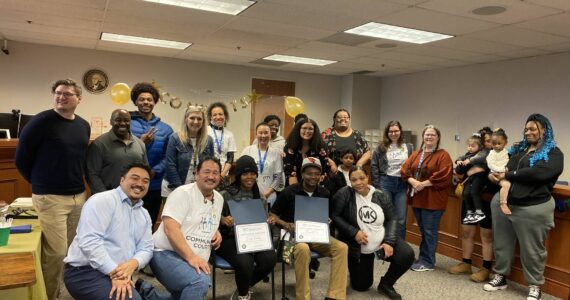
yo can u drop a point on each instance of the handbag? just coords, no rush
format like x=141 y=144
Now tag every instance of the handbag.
x=460 y=187
x=286 y=248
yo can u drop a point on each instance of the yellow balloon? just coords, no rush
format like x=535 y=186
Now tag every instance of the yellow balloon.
x=120 y=93
x=294 y=106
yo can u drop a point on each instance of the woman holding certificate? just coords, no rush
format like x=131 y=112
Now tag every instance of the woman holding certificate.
x=250 y=268
x=367 y=223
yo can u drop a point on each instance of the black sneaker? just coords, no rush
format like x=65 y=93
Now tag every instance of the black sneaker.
x=499 y=282
x=388 y=290
x=534 y=293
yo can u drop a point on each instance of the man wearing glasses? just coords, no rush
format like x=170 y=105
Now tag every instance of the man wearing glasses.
x=51 y=157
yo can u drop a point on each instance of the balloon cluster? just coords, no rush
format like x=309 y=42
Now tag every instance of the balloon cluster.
x=121 y=94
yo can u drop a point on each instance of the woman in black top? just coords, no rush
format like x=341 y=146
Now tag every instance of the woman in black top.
x=533 y=168
x=250 y=268
x=367 y=223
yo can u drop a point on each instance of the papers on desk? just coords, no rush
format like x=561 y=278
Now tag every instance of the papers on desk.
x=311 y=220
x=251 y=228
x=23 y=203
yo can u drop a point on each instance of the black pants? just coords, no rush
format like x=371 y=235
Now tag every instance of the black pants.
x=152 y=201
x=472 y=192
x=362 y=272
x=247 y=273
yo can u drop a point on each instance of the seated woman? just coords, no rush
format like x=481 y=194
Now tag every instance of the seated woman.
x=250 y=268
x=367 y=223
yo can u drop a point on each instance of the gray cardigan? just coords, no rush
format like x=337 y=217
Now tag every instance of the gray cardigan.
x=379 y=164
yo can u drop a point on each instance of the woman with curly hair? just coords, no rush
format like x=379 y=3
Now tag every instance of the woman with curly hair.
x=303 y=141
x=533 y=168
x=224 y=141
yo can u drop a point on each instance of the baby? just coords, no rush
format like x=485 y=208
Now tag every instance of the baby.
x=496 y=161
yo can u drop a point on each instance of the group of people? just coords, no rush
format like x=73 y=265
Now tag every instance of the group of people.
x=142 y=162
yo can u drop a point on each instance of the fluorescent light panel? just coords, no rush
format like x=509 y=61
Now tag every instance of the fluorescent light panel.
x=230 y=7
x=129 y=39
x=397 y=33
x=300 y=60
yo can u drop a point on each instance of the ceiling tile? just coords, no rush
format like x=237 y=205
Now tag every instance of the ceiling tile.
x=429 y=20
x=136 y=49
x=559 y=4
x=517 y=11
x=518 y=36
x=528 y=52
x=562 y=47
x=328 y=51
x=475 y=45
x=557 y=24
x=362 y=9
x=271 y=27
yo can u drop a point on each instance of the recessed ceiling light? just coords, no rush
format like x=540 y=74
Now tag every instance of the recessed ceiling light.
x=397 y=33
x=129 y=39
x=489 y=10
x=300 y=60
x=230 y=7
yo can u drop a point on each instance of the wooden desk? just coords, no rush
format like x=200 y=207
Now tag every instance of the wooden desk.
x=17 y=270
x=25 y=245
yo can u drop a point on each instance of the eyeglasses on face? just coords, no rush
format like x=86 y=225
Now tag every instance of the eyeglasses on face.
x=65 y=95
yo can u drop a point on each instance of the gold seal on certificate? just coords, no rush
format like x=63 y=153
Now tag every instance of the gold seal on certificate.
x=311 y=232
x=253 y=237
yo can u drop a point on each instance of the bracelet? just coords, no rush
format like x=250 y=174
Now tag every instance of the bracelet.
x=503 y=202
x=358 y=167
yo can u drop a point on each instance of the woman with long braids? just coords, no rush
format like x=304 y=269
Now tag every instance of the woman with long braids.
x=533 y=168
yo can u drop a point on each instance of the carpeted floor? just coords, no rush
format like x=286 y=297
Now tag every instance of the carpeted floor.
x=437 y=284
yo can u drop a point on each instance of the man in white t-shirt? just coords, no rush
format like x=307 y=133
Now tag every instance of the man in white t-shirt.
x=188 y=231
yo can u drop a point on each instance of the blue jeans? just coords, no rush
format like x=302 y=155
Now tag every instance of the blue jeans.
x=428 y=221
x=178 y=277
x=396 y=188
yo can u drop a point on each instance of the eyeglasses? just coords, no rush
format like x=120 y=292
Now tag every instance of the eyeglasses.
x=343 y=118
x=307 y=129
x=65 y=95
x=393 y=131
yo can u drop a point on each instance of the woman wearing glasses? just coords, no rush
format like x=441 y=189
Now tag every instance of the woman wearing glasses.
x=387 y=161
x=341 y=138
x=303 y=141
x=428 y=172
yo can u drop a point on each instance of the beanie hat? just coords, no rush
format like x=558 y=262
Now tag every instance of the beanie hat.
x=245 y=164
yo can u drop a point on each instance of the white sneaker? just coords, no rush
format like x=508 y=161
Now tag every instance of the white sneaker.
x=534 y=292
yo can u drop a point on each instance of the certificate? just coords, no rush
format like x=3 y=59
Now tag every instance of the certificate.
x=253 y=237
x=311 y=232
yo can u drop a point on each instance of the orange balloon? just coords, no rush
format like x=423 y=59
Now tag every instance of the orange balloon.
x=294 y=106
x=120 y=93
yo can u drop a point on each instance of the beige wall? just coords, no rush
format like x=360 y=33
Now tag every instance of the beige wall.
x=461 y=100
x=27 y=73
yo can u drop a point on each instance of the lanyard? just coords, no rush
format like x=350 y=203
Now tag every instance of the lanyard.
x=420 y=164
x=262 y=161
x=219 y=142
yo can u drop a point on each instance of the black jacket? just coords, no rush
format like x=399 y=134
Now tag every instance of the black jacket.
x=344 y=218
x=533 y=185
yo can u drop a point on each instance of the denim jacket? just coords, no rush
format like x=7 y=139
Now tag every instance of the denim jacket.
x=178 y=158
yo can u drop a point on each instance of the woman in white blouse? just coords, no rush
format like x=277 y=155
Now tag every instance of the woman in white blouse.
x=268 y=160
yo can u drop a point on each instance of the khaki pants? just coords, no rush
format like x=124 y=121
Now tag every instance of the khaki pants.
x=338 y=252
x=58 y=215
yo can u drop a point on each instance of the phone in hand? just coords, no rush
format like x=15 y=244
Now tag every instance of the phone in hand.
x=380 y=255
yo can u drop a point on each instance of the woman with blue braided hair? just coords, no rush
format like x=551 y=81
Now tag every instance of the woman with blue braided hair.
x=533 y=168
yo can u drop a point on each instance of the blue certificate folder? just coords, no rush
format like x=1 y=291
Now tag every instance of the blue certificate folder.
x=314 y=209
x=248 y=211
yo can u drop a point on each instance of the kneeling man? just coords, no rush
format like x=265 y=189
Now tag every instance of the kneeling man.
x=113 y=240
